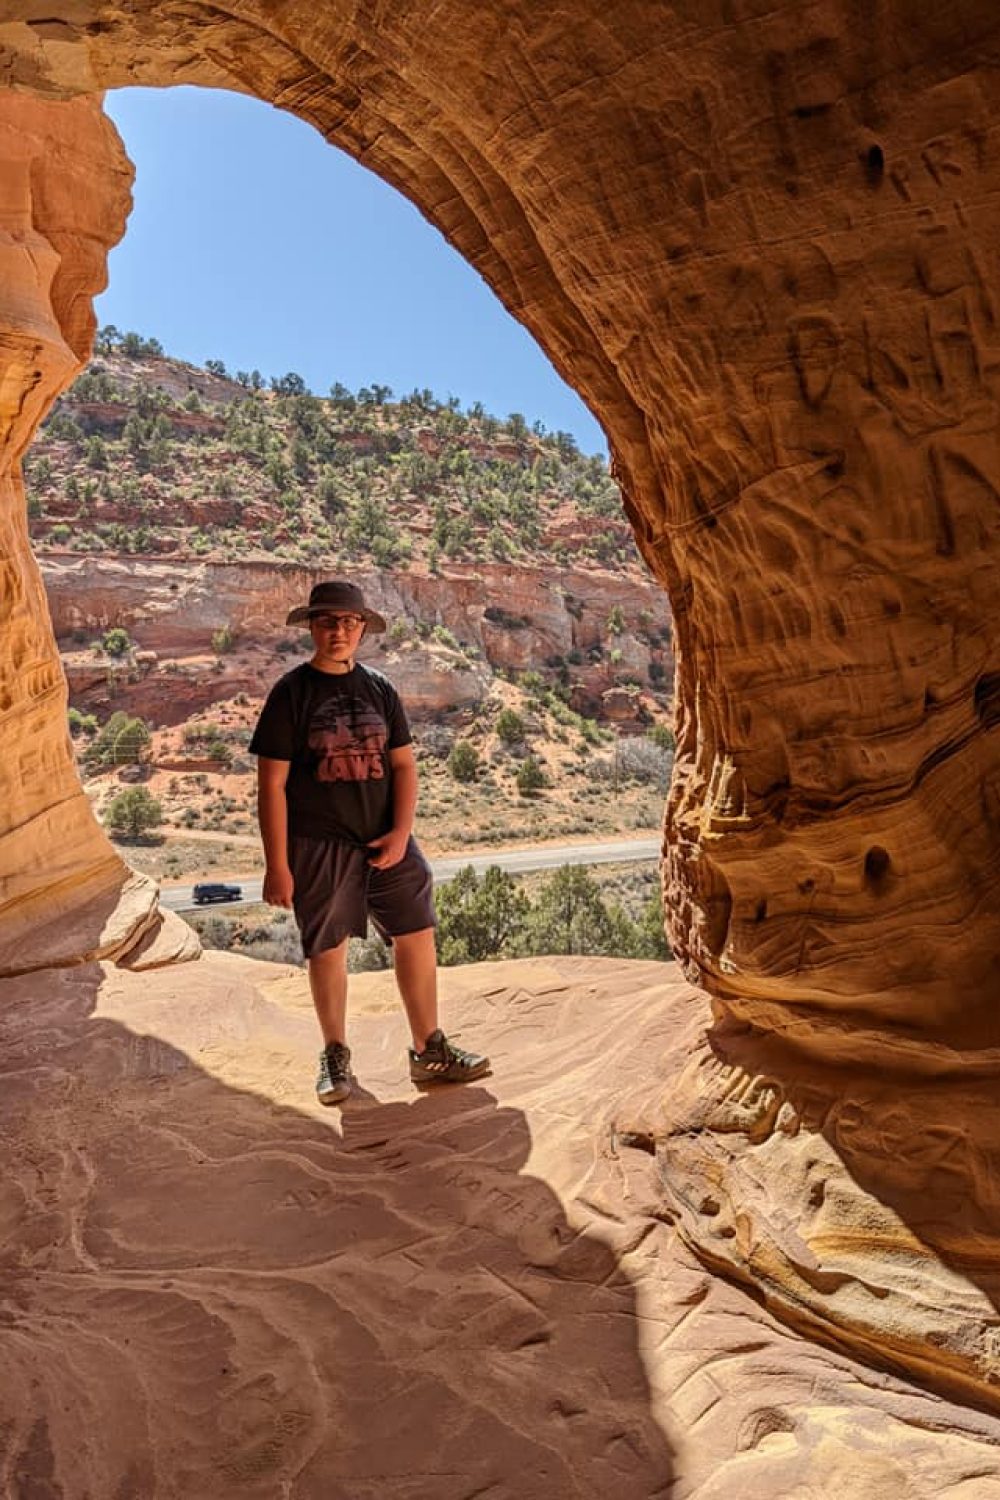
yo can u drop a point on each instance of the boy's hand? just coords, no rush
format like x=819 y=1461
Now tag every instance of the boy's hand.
x=388 y=850
x=278 y=887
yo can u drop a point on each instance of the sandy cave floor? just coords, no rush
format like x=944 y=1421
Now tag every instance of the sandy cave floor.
x=212 y=1287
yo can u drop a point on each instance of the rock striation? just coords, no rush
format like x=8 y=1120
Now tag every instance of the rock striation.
x=786 y=330
x=469 y=1291
x=761 y=242
x=65 y=894
x=515 y=617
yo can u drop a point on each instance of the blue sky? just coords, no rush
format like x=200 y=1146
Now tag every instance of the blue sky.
x=254 y=242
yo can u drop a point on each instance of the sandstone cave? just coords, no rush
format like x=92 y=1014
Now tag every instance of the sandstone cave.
x=758 y=241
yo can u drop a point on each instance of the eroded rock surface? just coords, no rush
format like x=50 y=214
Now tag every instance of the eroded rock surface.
x=471 y=1291
x=762 y=250
x=65 y=895
x=761 y=242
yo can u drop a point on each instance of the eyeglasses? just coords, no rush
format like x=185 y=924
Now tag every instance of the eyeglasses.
x=341 y=622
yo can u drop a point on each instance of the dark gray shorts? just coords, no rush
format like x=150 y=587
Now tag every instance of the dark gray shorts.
x=337 y=890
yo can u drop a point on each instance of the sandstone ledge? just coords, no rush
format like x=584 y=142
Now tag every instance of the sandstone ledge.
x=77 y=914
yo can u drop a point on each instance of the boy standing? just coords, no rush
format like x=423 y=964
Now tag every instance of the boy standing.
x=337 y=791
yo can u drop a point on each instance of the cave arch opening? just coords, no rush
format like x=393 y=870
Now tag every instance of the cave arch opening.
x=771 y=340
x=206 y=466
x=71 y=616
x=730 y=327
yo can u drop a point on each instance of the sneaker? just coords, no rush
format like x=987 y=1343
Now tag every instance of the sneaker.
x=442 y=1062
x=335 y=1077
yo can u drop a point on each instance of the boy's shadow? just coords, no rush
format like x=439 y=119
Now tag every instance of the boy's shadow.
x=257 y=1300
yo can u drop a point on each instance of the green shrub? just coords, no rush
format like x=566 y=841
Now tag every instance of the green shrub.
x=479 y=916
x=116 y=641
x=442 y=634
x=388 y=551
x=328 y=493
x=650 y=937
x=510 y=727
x=81 y=723
x=129 y=743
x=570 y=915
x=530 y=778
x=367 y=954
x=210 y=739
x=121 y=741
x=499 y=544
x=463 y=762
x=134 y=812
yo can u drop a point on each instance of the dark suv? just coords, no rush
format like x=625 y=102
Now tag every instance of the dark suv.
x=216 y=891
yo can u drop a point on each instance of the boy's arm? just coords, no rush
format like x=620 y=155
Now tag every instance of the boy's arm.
x=391 y=847
x=272 y=814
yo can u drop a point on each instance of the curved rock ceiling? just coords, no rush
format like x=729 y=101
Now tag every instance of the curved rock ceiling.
x=761 y=241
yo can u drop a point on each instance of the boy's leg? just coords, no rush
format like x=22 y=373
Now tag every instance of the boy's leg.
x=328 y=982
x=403 y=894
x=415 y=959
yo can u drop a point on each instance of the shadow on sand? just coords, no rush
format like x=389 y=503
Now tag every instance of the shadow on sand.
x=207 y=1294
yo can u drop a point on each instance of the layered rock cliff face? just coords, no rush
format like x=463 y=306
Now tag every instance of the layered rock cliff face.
x=763 y=247
x=517 y=617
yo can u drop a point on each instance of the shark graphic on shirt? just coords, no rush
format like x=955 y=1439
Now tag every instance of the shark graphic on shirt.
x=348 y=746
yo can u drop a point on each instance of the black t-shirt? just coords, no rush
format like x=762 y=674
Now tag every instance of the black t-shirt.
x=337 y=730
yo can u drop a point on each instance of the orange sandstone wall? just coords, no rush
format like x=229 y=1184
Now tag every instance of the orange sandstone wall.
x=761 y=241
x=64 y=193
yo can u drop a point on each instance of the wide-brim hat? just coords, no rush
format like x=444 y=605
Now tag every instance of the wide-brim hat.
x=336 y=594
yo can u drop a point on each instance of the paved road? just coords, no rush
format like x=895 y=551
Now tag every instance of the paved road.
x=517 y=861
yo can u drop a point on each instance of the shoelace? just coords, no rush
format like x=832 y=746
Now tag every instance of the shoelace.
x=338 y=1064
x=447 y=1053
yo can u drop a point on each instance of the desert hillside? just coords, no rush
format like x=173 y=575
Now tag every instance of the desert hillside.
x=189 y=509
x=178 y=514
